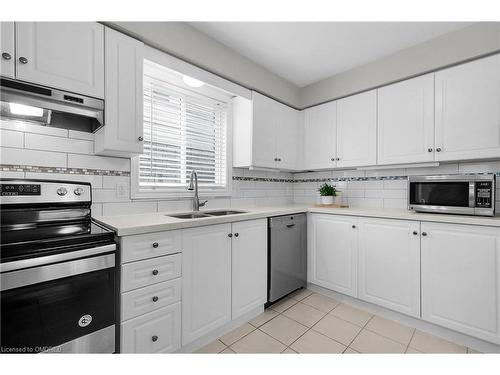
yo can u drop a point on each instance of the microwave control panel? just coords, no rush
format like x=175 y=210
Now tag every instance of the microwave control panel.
x=484 y=194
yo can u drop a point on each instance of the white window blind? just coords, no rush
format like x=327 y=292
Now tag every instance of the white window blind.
x=182 y=132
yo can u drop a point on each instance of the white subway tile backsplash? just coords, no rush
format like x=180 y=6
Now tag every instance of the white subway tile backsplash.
x=128 y=208
x=395 y=184
x=98 y=162
x=59 y=144
x=32 y=128
x=81 y=135
x=109 y=195
x=174 y=205
x=395 y=203
x=11 y=174
x=95 y=180
x=10 y=138
x=19 y=156
x=385 y=193
x=110 y=182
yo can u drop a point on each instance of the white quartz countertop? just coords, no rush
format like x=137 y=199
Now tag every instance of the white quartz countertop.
x=125 y=225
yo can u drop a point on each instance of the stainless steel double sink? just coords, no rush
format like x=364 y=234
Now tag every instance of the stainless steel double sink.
x=204 y=214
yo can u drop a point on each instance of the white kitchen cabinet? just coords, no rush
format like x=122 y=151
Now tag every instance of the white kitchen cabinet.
x=389 y=264
x=460 y=278
x=266 y=134
x=357 y=130
x=249 y=266
x=7 y=43
x=467 y=111
x=333 y=252
x=320 y=131
x=155 y=332
x=405 y=112
x=122 y=134
x=206 y=280
x=63 y=55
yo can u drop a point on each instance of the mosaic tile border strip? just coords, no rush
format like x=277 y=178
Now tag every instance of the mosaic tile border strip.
x=61 y=170
x=263 y=179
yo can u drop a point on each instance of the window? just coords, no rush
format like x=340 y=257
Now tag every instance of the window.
x=183 y=131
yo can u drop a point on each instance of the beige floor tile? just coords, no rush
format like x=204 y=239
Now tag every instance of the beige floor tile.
x=351 y=314
x=413 y=351
x=266 y=316
x=214 y=347
x=337 y=329
x=320 y=302
x=283 y=304
x=427 y=343
x=369 y=342
x=288 y=351
x=314 y=342
x=228 y=351
x=284 y=329
x=258 y=342
x=390 y=329
x=300 y=294
x=304 y=314
x=473 y=351
x=238 y=333
x=351 y=351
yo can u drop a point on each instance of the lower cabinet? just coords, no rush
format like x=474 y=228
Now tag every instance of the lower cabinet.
x=389 y=264
x=461 y=278
x=155 y=332
x=333 y=252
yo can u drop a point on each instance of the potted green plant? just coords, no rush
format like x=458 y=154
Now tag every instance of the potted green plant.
x=327 y=193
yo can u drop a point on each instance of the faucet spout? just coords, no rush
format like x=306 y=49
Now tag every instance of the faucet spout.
x=193 y=185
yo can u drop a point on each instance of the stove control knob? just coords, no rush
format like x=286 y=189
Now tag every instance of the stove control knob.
x=62 y=191
x=79 y=191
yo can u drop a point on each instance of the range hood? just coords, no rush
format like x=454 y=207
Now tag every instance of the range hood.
x=50 y=107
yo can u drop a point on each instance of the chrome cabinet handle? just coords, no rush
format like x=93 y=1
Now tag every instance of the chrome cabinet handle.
x=236 y=234
x=155 y=272
x=429 y=149
x=140 y=139
x=154 y=338
x=6 y=56
x=415 y=232
x=230 y=235
x=23 y=60
x=424 y=234
x=155 y=298
x=438 y=149
x=155 y=244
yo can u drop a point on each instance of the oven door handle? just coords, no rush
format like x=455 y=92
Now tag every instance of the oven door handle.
x=63 y=257
x=36 y=275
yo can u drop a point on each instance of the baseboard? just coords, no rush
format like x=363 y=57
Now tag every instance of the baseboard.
x=445 y=333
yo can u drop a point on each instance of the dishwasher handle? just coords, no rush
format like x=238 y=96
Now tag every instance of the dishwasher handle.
x=290 y=225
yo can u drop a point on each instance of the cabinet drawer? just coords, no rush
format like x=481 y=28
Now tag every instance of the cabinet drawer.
x=150 y=298
x=156 y=332
x=152 y=271
x=149 y=245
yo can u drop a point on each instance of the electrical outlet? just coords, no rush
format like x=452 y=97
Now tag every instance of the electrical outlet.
x=121 y=190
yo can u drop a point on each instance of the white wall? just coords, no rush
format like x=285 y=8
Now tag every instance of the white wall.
x=473 y=41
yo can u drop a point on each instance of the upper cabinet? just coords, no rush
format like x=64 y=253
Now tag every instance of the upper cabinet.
x=122 y=134
x=467 y=114
x=320 y=132
x=7 y=43
x=265 y=134
x=406 y=121
x=63 y=55
x=357 y=130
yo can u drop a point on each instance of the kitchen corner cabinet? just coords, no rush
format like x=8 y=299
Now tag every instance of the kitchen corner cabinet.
x=467 y=114
x=460 y=278
x=265 y=134
x=405 y=112
x=7 y=44
x=64 y=55
x=357 y=130
x=333 y=252
x=122 y=134
x=389 y=264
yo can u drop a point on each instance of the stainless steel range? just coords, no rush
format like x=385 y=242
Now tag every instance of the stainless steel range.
x=57 y=270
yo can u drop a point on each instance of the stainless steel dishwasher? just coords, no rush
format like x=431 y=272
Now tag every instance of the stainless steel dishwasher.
x=287 y=260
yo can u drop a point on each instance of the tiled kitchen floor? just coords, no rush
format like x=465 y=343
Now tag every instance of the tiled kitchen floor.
x=308 y=322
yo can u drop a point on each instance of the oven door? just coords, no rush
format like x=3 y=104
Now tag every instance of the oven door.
x=60 y=307
x=442 y=194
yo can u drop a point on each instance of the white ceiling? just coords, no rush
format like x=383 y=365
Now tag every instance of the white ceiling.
x=307 y=52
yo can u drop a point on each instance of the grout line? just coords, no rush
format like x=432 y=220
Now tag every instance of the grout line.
x=361 y=330
x=409 y=342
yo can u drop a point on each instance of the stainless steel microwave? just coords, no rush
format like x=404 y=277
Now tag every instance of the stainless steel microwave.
x=453 y=194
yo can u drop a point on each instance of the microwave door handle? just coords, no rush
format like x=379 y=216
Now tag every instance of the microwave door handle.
x=472 y=191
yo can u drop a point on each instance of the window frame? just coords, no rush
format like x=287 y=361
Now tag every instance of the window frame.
x=173 y=193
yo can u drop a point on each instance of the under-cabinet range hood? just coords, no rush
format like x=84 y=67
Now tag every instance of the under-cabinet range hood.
x=50 y=107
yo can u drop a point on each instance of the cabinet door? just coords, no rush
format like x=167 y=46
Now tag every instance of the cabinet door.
x=357 y=130
x=467 y=112
x=320 y=127
x=206 y=280
x=156 y=332
x=264 y=131
x=333 y=253
x=64 y=55
x=460 y=278
x=8 y=58
x=249 y=266
x=389 y=264
x=287 y=138
x=123 y=133
x=406 y=121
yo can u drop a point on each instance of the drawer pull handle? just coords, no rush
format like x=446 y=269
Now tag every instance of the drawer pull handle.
x=155 y=298
x=424 y=234
x=230 y=235
x=155 y=272
x=154 y=338
x=236 y=234
x=415 y=232
x=155 y=244
x=353 y=226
